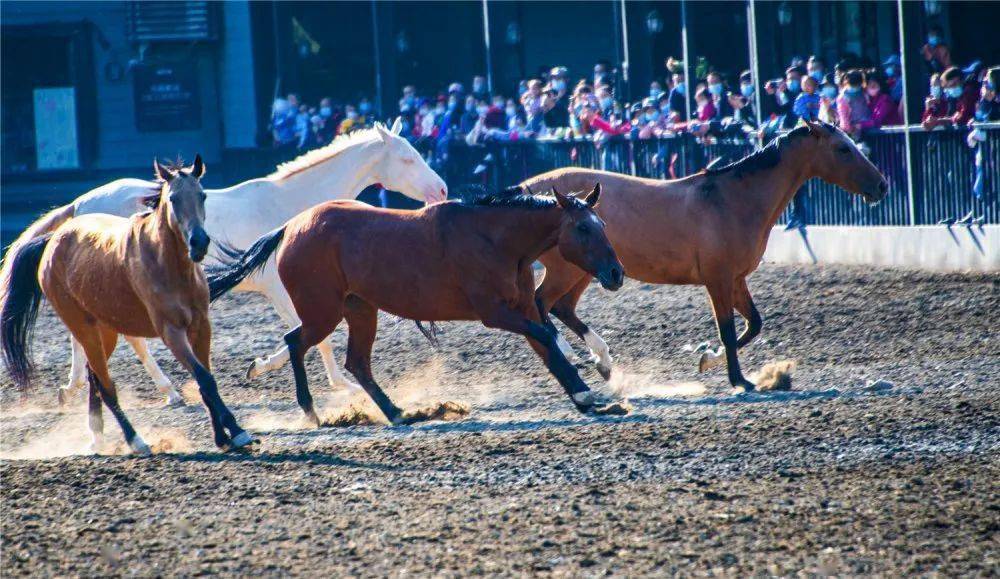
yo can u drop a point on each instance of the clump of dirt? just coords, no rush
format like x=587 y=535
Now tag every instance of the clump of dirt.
x=775 y=376
x=616 y=408
x=354 y=416
x=449 y=410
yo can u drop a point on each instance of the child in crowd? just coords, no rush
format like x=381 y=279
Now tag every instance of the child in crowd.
x=808 y=102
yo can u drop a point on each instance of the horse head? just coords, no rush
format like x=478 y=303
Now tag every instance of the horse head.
x=840 y=161
x=183 y=199
x=401 y=168
x=583 y=242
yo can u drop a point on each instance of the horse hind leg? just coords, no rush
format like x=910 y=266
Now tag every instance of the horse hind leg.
x=98 y=347
x=362 y=321
x=320 y=320
x=743 y=302
x=77 y=372
x=163 y=384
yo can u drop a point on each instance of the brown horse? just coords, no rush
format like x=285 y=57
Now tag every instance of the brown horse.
x=106 y=276
x=707 y=229
x=462 y=261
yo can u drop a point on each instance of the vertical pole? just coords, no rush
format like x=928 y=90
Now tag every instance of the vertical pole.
x=378 y=61
x=911 y=194
x=486 y=39
x=625 y=58
x=276 y=31
x=754 y=60
x=687 y=61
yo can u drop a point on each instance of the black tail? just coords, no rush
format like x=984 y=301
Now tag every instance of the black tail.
x=222 y=278
x=20 y=296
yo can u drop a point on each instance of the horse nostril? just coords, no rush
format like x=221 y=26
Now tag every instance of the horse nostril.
x=883 y=186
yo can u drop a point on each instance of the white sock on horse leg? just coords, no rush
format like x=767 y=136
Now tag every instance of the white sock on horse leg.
x=334 y=376
x=565 y=348
x=598 y=348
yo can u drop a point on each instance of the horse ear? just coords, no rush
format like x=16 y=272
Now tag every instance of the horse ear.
x=161 y=172
x=397 y=126
x=592 y=197
x=198 y=168
x=563 y=200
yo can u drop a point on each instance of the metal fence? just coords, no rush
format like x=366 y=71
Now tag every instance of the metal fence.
x=943 y=169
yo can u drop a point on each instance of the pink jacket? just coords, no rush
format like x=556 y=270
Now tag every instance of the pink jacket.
x=885 y=112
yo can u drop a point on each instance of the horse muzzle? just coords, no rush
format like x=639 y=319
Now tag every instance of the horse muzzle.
x=198 y=245
x=878 y=193
x=612 y=278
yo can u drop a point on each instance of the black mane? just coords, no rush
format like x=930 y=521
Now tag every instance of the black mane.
x=479 y=196
x=767 y=157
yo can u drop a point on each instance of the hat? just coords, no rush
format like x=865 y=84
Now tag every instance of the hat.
x=892 y=60
x=973 y=68
x=455 y=87
x=649 y=102
x=558 y=71
x=636 y=107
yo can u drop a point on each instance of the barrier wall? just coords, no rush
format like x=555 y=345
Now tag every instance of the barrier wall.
x=936 y=248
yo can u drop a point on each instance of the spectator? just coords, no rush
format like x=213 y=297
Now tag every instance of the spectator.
x=602 y=128
x=602 y=74
x=884 y=111
x=816 y=69
x=302 y=128
x=650 y=124
x=605 y=99
x=959 y=101
x=557 y=113
x=510 y=111
x=719 y=96
x=535 y=103
x=807 y=104
x=350 y=121
x=479 y=89
x=988 y=108
x=706 y=112
x=408 y=102
x=678 y=97
x=893 y=78
x=328 y=128
x=934 y=105
x=852 y=108
x=743 y=103
x=936 y=53
x=283 y=114
x=470 y=114
x=655 y=89
x=364 y=111
x=828 y=101
x=787 y=94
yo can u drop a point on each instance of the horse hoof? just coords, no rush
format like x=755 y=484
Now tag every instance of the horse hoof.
x=252 y=371
x=177 y=402
x=604 y=371
x=710 y=359
x=312 y=416
x=243 y=439
x=743 y=388
x=139 y=447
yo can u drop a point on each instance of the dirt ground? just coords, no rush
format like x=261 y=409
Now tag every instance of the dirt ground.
x=839 y=475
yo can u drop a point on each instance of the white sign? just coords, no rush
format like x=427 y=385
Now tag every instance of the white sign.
x=55 y=128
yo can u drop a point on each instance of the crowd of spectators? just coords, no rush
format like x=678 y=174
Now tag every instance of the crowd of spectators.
x=857 y=95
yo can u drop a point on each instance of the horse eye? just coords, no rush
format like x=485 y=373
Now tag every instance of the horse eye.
x=844 y=149
x=204 y=196
x=582 y=228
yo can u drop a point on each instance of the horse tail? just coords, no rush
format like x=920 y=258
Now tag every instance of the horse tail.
x=225 y=277
x=20 y=296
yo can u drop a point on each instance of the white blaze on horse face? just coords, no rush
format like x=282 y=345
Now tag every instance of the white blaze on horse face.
x=598 y=348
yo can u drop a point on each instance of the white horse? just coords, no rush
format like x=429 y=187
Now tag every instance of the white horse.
x=238 y=215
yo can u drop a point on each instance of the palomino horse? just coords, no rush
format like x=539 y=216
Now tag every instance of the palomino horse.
x=242 y=213
x=462 y=262
x=707 y=229
x=107 y=275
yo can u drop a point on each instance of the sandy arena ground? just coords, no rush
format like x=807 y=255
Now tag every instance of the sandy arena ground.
x=836 y=476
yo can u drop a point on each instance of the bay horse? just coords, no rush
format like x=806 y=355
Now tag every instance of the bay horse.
x=707 y=229
x=105 y=276
x=240 y=214
x=451 y=261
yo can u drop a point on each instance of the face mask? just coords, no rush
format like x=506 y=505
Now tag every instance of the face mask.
x=559 y=85
x=352 y=115
x=980 y=115
x=852 y=91
x=452 y=105
x=953 y=92
x=715 y=89
x=521 y=90
x=746 y=90
x=607 y=102
x=325 y=112
x=511 y=111
x=873 y=92
x=933 y=41
x=665 y=109
x=782 y=98
x=439 y=110
x=817 y=74
x=890 y=71
x=482 y=110
x=477 y=86
x=654 y=92
x=829 y=92
x=794 y=85
x=365 y=108
x=681 y=88
x=653 y=116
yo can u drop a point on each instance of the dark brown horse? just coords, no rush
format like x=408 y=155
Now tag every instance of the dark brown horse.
x=708 y=229
x=106 y=276
x=451 y=261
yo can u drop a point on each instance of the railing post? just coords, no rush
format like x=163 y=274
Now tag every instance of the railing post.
x=906 y=117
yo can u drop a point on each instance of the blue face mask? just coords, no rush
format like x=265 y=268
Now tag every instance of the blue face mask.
x=746 y=90
x=715 y=89
x=325 y=112
x=365 y=108
x=817 y=74
x=933 y=41
x=681 y=88
x=890 y=71
x=654 y=92
x=980 y=115
x=852 y=91
x=653 y=116
x=936 y=92
x=794 y=85
x=953 y=92
x=829 y=92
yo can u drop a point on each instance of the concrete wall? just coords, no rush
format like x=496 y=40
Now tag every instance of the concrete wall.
x=932 y=247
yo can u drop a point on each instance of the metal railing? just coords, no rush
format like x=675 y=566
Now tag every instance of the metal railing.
x=943 y=166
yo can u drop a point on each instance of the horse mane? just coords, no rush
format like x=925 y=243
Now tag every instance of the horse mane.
x=479 y=196
x=766 y=157
x=326 y=152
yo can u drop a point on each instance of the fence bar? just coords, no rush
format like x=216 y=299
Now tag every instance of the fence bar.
x=625 y=59
x=378 y=60
x=687 y=62
x=906 y=115
x=486 y=40
x=754 y=61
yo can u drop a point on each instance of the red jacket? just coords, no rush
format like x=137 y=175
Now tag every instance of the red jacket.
x=884 y=112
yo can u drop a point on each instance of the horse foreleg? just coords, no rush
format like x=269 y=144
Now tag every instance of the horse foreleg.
x=743 y=303
x=721 y=295
x=141 y=348
x=77 y=372
x=565 y=310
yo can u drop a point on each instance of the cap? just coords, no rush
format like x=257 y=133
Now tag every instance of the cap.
x=974 y=67
x=892 y=60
